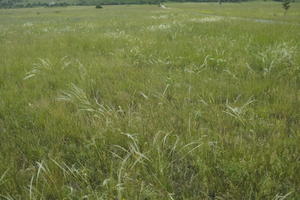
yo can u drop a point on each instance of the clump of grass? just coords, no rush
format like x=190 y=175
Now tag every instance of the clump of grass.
x=42 y=67
x=79 y=98
x=278 y=59
x=238 y=112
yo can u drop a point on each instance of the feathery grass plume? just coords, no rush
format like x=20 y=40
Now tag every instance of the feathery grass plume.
x=171 y=161
x=277 y=58
x=2 y=178
x=45 y=67
x=43 y=180
x=238 y=112
x=79 y=175
x=160 y=17
x=206 y=19
x=28 y=24
x=133 y=152
x=282 y=197
x=7 y=197
x=209 y=61
x=41 y=67
x=160 y=27
x=78 y=97
x=167 y=157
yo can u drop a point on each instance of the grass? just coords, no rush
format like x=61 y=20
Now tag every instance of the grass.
x=139 y=102
x=254 y=10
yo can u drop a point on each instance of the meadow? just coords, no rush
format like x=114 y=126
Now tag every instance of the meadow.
x=196 y=101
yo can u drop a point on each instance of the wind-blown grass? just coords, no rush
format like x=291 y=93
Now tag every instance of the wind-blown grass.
x=139 y=102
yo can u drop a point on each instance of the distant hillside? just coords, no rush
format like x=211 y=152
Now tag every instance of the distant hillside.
x=59 y=3
x=55 y=3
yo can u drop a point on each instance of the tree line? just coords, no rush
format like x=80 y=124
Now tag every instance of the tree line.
x=61 y=3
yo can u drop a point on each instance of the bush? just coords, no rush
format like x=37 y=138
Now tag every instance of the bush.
x=99 y=6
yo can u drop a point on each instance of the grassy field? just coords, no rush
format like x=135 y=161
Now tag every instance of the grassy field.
x=145 y=103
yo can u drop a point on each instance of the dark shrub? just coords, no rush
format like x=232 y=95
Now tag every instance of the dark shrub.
x=99 y=6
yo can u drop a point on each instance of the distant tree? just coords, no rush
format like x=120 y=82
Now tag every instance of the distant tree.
x=286 y=5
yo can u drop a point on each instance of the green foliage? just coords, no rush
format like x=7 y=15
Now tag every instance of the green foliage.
x=62 y=3
x=286 y=5
x=141 y=102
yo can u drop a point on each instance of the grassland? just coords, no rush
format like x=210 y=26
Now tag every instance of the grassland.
x=139 y=102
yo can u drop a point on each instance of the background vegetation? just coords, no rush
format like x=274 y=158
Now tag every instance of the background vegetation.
x=62 y=3
x=197 y=101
